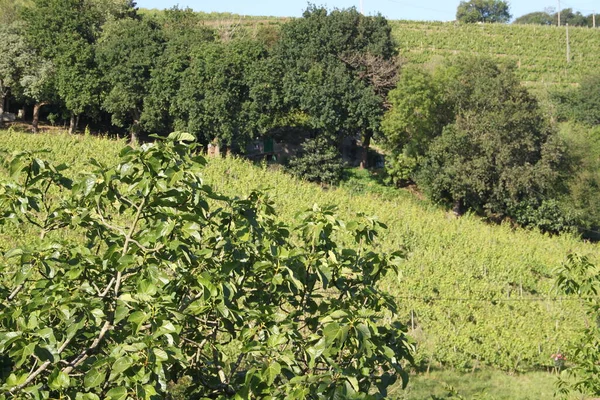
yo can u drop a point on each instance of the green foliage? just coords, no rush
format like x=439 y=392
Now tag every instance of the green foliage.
x=500 y=153
x=10 y=10
x=141 y=274
x=536 y=18
x=567 y=16
x=416 y=116
x=183 y=34
x=551 y=216
x=473 y=11
x=214 y=99
x=64 y=32
x=318 y=161
x=328 y=60
x=581 y=104
x=584 y=183
x=579 y=276
x=12 y=64
x=126 y=54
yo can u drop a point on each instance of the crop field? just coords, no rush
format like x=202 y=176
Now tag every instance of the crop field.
x=472 y=295
x=539 y=52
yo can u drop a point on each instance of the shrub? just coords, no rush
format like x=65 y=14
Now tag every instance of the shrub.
x=318 y=161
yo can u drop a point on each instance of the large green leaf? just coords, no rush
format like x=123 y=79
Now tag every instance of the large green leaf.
x=93 y=378
x=271 y=371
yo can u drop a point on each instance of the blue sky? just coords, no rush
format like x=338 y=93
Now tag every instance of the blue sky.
x=443 y=10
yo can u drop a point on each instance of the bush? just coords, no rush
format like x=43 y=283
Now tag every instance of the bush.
x=581 y=104
x=318 y=161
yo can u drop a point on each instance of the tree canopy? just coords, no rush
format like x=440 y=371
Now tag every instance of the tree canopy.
x=126 y=55
x=536 y=18
x=14 y=52
x=500 y=152
x=471 y=136
x=327 y=60
x=473 y=11
x=417 y=114
x=550 y=17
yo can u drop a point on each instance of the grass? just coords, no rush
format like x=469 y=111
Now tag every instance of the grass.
x=482 y=385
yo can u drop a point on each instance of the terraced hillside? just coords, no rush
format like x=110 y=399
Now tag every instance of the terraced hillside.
x=538 y=51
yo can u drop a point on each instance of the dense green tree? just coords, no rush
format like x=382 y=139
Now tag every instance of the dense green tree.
x=28 y=76
x=550 y=17
x=318 y=161
x=213 y=101
x=417 y=114
x=574 y=18
x=337 y=68
x=499 y=156
x=126 y=54
x=65 y=31
x=38 y=86
x=184 y=32
x=14 y=50
x=473 y=11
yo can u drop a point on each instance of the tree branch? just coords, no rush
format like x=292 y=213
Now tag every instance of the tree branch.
x=38 y=371
x=86 y=352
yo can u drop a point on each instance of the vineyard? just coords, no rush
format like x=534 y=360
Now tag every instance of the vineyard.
x=539 y=52
x=470 y=294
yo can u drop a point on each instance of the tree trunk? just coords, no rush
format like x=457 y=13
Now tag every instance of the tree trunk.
x=457 y=208
x=36 y=116
x=72 y=124
x=133 y=139
x=364 y=153
x=2 y=111
x=135 y=127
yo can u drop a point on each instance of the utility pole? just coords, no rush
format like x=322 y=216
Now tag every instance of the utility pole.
x=594 y=19
x=361 y=7
x=568 y=45
x=558 y=12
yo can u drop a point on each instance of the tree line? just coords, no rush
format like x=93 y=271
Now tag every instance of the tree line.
x=327 y=72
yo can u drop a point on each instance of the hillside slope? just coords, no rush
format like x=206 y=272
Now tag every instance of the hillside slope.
x=471 y=293
x=538 y=51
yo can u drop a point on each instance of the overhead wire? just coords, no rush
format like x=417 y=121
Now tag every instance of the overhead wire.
x=574 y=8
x=493 y=301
